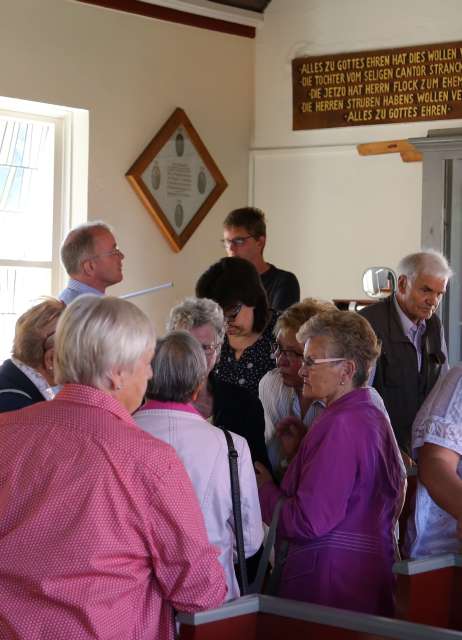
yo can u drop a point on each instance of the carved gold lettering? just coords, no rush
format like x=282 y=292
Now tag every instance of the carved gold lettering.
x=377 y=87
x=451 y=82
x=329 y=105
x=378 y=74
x=433 y=110
x=410 y=72
x=359 y=116
x=428 y=97
x=440 y=55
x=378 y=61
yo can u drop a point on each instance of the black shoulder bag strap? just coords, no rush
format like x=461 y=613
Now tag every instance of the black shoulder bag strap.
x=236 y=497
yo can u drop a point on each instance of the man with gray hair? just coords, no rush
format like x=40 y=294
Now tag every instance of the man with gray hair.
x=414 y=352
x=92 y=260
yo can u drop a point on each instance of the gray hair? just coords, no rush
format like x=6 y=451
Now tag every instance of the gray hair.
x=430 y=262
x=96 y=335
x=179 y=367
x=79 y=245
x=351 y=337
x=195 y=312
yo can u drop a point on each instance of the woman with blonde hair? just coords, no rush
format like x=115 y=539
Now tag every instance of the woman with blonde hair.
x=288 y=412
x=27 y=377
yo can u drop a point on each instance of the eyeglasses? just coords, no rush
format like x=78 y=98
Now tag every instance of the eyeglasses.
x=231 y=314
x=113 y=252
x=210 y=349
x=237 y=242
x=310 y=362
x=290 y=354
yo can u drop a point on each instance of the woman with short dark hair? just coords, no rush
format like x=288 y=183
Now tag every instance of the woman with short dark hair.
x=247 y=349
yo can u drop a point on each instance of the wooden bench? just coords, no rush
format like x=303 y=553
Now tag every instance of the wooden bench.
x=429 y=591
x=263 y=617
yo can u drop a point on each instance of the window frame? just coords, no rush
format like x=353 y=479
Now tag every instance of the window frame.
x=70 y=180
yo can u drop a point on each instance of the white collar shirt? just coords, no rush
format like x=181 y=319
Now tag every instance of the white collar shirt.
x=280 y=401
x=36 y=378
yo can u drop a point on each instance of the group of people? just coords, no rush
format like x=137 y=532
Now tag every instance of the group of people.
x=115 y=491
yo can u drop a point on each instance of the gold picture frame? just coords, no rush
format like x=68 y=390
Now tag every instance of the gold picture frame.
x=177 y=179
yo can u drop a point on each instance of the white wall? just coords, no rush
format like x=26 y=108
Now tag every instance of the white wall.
x=332 y=213
x=131 y=72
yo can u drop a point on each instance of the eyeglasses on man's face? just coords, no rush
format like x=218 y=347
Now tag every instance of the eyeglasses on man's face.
x=106 y=254
x=231 y=314
x=290 y=354
x=237 y=242
x=308 y=362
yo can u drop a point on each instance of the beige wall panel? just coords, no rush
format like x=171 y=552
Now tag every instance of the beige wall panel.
x=345 y=212
x=131 y=72
x=332 y=214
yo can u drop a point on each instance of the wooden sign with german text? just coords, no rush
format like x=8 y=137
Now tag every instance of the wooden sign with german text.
x=378 y=87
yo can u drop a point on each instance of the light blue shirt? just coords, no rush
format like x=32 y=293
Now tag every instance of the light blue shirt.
x=74 y=289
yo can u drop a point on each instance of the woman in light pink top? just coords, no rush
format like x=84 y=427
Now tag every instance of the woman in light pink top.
x=179 y=370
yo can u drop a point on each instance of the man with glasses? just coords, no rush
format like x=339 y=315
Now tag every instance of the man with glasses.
x=244 y=236
x=92 y=260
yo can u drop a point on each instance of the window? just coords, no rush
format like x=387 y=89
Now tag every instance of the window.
x=43 y=153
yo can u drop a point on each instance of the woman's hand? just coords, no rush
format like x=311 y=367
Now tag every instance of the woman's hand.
x=290 y=431
x=262 y=474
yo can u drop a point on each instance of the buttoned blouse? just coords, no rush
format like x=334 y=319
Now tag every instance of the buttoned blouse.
x=254 y=362
x=101 y=534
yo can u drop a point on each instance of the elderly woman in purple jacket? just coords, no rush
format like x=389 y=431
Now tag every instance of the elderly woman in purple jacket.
x=343 y=490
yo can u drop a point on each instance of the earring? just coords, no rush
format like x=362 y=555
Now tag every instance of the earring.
x=342 y=382
x=118 y=387
x=50 y=368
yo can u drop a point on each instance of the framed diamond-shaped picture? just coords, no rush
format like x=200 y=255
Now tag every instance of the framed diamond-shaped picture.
x=177 y=179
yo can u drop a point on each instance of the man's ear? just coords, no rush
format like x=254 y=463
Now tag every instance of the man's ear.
x=86 y=267
x=402 y=284
x=261 y=242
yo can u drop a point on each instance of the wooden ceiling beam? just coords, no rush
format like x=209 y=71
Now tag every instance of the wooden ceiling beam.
x=406 y=150
x=157 y=12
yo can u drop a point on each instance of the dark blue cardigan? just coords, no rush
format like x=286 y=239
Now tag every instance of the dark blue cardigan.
x=16 y=390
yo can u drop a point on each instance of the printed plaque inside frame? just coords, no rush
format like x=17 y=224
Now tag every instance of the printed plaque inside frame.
x=177 y=179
